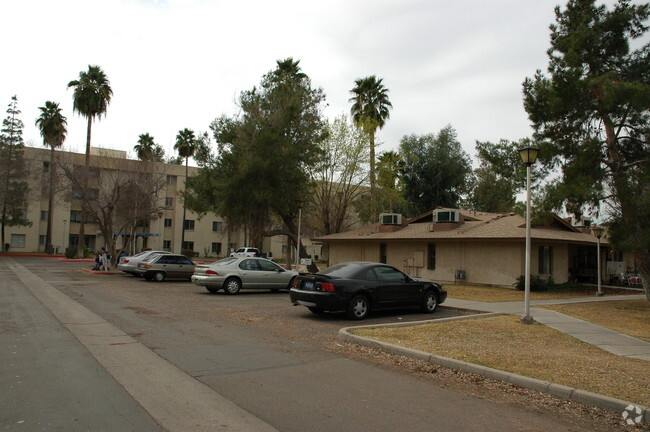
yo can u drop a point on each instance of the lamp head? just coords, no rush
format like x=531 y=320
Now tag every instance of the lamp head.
x=528 y=155
x=598 y=231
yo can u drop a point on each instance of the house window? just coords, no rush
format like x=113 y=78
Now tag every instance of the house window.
x=216 y=248
x=431 y=256
x=73 y=240
x=43 y=215
x=18 y=240
x=75 y=216
x=169 y=202
x=382 y=253
x=217 y=226
x=167 y=244
x=168 y=223
x=41 y=240
x=171 y=180
x=188 y=224
x=188 y=245
x=545 y=260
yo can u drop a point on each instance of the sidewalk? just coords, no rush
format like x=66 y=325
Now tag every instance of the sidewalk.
x=609 y=340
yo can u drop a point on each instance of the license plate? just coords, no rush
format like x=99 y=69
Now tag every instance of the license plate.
x=309 y=285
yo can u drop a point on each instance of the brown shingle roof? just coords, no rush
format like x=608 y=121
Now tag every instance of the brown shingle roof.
x=495 y=226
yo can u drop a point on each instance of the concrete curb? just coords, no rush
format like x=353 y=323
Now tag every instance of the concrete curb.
x=557 y=390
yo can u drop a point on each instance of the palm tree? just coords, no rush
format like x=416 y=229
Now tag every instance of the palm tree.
x=53 y=127
x=370 y=110
x=186 y=146
x=145 y=148
x=92 y=95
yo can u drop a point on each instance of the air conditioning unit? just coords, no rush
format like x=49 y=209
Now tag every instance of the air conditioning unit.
x=446 y=216
x=390 y=219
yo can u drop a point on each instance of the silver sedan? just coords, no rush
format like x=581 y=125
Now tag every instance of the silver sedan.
x=236 y=273
x=129 y=264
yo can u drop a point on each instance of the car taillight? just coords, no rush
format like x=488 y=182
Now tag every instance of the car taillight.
x=296 y=283
x=212 y=272
x=124 y=260
x=327 y=287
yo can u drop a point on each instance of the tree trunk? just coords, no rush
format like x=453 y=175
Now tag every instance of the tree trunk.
x=82 y=224
x=373 y=196
x=50 y=205
x=292 y=229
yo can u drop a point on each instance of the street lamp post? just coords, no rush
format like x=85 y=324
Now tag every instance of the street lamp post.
x=528 y=157
x=300 y=204
x=598 y=231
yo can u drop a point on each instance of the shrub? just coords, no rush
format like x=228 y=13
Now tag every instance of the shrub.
x=536 y=283
x=70 y=252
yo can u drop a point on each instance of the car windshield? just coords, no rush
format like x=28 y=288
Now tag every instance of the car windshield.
x=224 y=262
x=345 y=270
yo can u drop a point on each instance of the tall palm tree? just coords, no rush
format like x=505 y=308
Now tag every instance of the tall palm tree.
x=53 y=127
x=92 y=95
x=145 y=147
x=185 y=146
x=370 y=110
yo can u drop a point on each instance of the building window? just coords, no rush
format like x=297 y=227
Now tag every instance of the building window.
x=168 y=223
x=216 y=248
x=167 y=244
x=545 y=260
x=217 y=226
x=188 y=245
x=41 y=240
x=75 y=216
x=169 y=202
x=431 y=256
x=171 y=180
x=18 y=240
x=382 y=253
x=43 y=215
x=188 y=224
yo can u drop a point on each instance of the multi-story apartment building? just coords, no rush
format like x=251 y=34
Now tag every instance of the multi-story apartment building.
x=208 y=235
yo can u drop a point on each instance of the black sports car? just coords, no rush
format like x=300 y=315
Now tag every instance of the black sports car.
x=359 y=287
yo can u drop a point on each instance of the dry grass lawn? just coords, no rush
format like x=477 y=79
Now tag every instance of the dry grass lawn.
x=532 y=350
x=631 y=317
x=497 y=294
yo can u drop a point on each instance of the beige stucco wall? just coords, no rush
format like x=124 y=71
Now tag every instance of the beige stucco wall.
x=484 y=262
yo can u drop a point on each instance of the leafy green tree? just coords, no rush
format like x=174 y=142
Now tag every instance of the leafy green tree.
x=265 y=154
x=370 y=110
x=499 y=177
x=13 y=195
x=91 y=97
x=434 y=171
x=147 y=150
x=591 y=112
x=338 y=178
x=185 y=146
x=52 y=125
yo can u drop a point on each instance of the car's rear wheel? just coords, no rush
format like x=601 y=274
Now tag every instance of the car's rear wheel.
x=159 y=276
x=358 y=308
x=232 y=286
x=429 y=302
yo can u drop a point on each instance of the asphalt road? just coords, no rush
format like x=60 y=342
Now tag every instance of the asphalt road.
x=278 y=362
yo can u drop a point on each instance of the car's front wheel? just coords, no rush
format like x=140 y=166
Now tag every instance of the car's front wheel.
x=429 y=302
x=232 y=286
x=358 y=308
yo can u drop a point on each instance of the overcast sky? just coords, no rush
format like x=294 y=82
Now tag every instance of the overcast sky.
x=180 y=64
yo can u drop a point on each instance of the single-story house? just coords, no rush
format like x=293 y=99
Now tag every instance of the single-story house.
x=451 y=245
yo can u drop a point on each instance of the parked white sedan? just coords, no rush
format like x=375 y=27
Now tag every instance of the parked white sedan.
x=236 y=273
